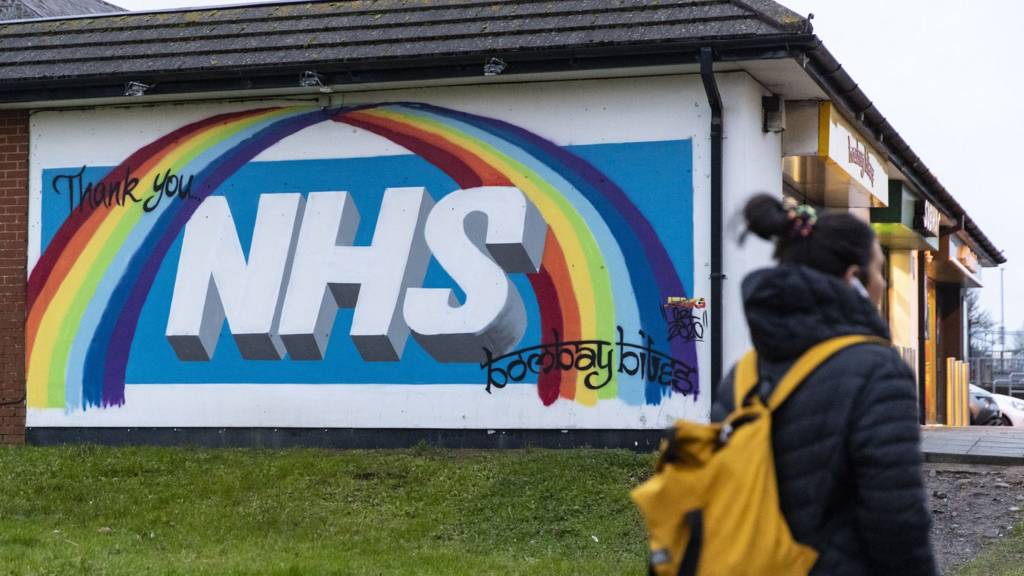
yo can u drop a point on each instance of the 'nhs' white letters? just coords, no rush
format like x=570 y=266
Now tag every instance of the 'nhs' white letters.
x=329 y=272
x=215 y=281
x=477 y=236
x=302 y=267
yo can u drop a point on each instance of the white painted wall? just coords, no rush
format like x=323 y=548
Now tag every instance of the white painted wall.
x=567 y=112
x=752 y=164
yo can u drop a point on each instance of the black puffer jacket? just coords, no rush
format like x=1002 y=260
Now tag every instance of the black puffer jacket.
x=847 y=442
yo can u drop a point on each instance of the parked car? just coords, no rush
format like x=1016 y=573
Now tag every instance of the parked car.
x=983 y=407
x=1012 y=409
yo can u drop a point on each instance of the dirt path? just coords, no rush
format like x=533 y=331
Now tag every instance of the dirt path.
x=971 y=506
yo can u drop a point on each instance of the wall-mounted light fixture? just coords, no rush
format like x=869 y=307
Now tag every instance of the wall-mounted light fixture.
x=494 y=67
x=773 y=110
x=311 y=79
x=135 y=88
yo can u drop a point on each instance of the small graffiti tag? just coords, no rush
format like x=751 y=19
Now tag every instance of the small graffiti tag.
x=687 y=303
x=684 y=321
x=597 y=359
x=686 y=324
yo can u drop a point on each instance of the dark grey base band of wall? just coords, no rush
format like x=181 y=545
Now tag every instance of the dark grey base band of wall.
x=637 y=440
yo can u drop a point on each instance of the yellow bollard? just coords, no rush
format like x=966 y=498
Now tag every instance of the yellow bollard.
x=949 y=392
x=966 y=404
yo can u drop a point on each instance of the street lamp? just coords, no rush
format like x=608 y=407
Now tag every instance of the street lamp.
x=1002 y=322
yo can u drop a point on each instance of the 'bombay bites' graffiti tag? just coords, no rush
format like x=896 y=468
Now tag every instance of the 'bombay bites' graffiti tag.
x=594 y=359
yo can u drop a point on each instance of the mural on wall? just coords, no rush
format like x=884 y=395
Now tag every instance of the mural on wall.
x=491 y=256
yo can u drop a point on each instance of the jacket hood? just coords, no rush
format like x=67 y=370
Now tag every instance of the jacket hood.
x=790 y=308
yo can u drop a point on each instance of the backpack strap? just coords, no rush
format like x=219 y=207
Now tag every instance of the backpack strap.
x=746 y=377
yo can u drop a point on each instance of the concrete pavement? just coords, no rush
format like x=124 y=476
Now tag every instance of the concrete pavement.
x=973 y=445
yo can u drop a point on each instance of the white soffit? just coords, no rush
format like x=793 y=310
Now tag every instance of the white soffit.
x=785 y=76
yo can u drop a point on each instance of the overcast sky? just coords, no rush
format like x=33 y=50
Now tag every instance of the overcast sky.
x=944 y=72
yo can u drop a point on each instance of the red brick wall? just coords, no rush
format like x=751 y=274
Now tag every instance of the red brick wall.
x=13 y=259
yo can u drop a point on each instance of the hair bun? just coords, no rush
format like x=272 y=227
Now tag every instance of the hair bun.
x=766 y=216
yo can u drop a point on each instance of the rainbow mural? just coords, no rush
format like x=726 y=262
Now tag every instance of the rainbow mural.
x=87 y=290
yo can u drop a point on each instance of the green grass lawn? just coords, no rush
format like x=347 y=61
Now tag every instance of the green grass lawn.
x=1001 y=558
x=97 y=511
x=92 y=510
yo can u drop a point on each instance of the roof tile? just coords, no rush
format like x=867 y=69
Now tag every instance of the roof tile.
x=323 y=34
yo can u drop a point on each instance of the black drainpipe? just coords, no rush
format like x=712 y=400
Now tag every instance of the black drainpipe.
x=715 y=102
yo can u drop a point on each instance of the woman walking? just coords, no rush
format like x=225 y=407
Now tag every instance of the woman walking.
x=847 y=442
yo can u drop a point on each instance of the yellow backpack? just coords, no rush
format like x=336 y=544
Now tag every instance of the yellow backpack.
x=712 y=506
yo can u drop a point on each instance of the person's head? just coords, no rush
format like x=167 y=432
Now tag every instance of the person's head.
x=835 y=243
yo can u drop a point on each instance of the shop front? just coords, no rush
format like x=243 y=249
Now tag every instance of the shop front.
x=947 y=274
x=907 y=230
x=826 y=163
x=930 y=258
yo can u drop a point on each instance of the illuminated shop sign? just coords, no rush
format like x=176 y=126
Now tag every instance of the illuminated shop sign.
x=926 y=219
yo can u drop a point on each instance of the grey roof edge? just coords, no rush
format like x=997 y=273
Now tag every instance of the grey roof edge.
x=124 y=11
x=777 y=15
x=86 y=9
x=523 y=61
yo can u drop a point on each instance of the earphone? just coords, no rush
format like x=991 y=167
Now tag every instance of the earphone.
x=857 y=285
